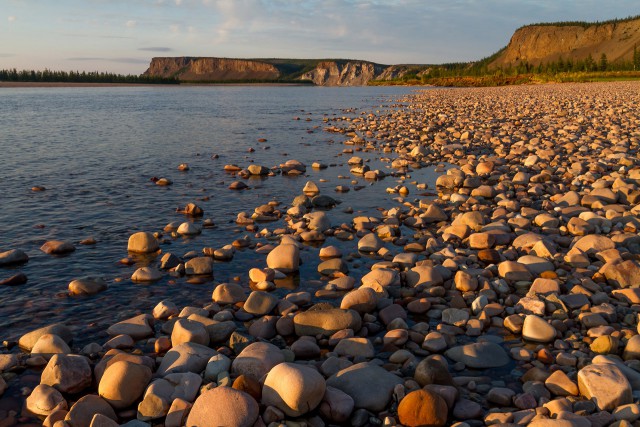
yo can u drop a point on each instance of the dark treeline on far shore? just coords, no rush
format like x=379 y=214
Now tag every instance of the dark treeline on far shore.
x=483 y=69
x=14 y=75
x=483 y=73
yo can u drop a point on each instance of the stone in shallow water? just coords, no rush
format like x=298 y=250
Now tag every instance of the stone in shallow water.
x=28 y=340
x=260 y=303
x=137 y=327
x=330 y=252
x=370 y=243
x=87 y=286
x=199 y=266
x=238 y=185
x=13 y=256
x=284 y=258
x=479 y=355
x=362 y=300
x=142 y=242
x=15 y=280
x=57 y=247
x=146 y=274
x=188 y=229
x=228 y=293
x=48 y=345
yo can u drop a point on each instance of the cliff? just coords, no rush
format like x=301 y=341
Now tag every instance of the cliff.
x=344 y=73
x=212 y=69
x=320 y=72
x=546 y=43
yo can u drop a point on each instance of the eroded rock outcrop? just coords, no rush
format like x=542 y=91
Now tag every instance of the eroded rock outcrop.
x=344 y=73
x=211 y=69
x=537 y=44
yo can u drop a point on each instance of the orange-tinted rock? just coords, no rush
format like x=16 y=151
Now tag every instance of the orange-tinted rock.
x=250 y=385
x=422 y=408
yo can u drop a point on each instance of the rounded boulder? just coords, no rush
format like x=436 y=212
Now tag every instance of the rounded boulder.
x=223 y=406
x=294 y=389
x=142 y=242
x=284 y=258
x=123 y=383
x=422 y=408
x=326 y=322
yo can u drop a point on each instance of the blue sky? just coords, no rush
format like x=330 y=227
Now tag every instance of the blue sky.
x=122 y=35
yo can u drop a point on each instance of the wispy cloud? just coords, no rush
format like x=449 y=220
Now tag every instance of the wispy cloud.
x=384 y=31
x=155 y=49
x=95 y=36
x=119 y=60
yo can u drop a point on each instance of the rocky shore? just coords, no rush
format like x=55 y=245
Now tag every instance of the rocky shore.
x=507 y=295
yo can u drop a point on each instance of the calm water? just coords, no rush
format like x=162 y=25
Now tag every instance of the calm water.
x=95 y=150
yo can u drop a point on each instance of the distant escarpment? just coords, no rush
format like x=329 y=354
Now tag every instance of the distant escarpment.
x=193 y=69
x=338 y=72
x=344 y=73
x=574 y=41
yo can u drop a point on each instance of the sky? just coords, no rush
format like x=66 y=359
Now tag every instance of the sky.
x=123 y=35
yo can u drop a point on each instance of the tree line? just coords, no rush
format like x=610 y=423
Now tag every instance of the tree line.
x=481 y=68
x=582 y=23
x=13 y=75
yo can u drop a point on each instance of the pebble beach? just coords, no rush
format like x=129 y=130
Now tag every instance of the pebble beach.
x=505 y=292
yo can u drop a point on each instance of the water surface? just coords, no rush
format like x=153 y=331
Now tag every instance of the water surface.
x=95 y=150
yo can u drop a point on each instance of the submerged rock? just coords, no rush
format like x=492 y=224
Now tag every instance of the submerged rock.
x=12 y=257
x=57 y=247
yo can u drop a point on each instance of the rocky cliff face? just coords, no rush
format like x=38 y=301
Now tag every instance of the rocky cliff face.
x=347 y=73
x=546 y=43
x=212 y=69
x=324 y=73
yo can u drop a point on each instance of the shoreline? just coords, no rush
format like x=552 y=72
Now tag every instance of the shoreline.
x=493 y=301
x=184 y=84
x=70 y=84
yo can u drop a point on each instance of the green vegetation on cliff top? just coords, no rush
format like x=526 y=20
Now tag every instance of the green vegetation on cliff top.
x=581 y=23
